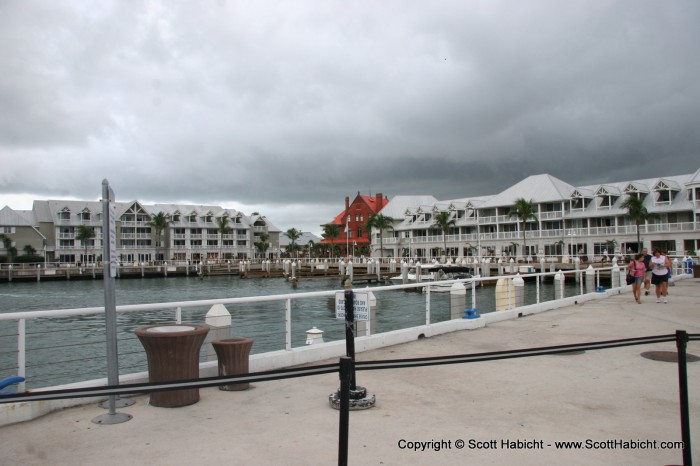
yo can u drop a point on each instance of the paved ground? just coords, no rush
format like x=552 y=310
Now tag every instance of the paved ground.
x=599 y=396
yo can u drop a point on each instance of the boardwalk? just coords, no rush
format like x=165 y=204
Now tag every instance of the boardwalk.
x=601 y=396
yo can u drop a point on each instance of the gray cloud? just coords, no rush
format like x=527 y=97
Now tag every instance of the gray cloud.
x=287 y=107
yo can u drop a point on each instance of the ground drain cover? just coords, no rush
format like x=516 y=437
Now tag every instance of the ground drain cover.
x=668 y=356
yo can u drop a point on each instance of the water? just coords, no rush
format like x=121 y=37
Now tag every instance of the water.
x=72 y=349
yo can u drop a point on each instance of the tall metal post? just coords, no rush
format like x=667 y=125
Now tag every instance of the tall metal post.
x=109 y=261
x=681 y=344
x=350 y=329
x=347 y=369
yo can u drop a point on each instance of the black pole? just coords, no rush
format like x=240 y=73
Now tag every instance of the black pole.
x=681 y=343
x=347 y=368
x=349 y=328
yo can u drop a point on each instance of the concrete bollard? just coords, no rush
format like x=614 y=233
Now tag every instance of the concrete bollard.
x=314 y=336
x=505 y=294
x=519 y=285
x=511 y=265
x=350 y=270
x=404 y=272
x=559 y=279
x=577 y=266
x=500 y=266
x=615 y=275
x=543 y=265
x=218 y=319
x=590 y=279
x=458 y=300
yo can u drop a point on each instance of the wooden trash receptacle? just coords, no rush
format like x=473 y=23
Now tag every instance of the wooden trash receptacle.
x=233 y=354
x=173 y=354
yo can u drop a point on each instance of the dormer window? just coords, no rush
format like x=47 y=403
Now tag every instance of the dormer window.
x=64 y=215
x=664 y=191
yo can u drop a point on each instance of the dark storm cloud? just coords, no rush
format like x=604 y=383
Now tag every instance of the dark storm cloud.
x=287 y=107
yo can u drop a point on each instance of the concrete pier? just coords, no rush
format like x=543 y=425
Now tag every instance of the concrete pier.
x=597 y=396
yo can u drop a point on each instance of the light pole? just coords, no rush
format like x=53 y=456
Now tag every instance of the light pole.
x=354 y=243
x=347 y=236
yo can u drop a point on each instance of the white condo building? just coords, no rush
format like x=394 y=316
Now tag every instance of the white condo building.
x=191 y=232
x=585 y=220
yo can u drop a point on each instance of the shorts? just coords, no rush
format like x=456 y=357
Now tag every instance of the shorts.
x=658 y=279
x=638 y=279
x=647 y=275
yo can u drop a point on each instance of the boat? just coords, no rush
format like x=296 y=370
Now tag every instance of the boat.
x=436 y=272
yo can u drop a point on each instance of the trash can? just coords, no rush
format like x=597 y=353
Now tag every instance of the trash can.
x=232 y=354
x=173 y=354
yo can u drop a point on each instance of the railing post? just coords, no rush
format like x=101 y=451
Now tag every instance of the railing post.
x=681 y=343
x=427 y=304
x=21 y=353
x=178 y=315
x=288 y=325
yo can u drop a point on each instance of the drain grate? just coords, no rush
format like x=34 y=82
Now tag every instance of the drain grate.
x=668 y=356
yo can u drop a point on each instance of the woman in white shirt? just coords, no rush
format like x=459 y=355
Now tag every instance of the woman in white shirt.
x=660 y=265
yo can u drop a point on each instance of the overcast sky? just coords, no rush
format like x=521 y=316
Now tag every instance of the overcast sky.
x=286 y=107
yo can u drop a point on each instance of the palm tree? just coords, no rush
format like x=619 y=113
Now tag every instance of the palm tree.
x=223 y=228
x=262 y=244
x=84 y=234
x=444 y=222
x=159 y=222
x=29 y=250
x=524 y=210
x=293 y=234
x=637 y=212
x=380 y=222
x=7 y=243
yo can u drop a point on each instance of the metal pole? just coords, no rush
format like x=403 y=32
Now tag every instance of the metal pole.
x=109 y=261
x=681 y=343
x=349 y=327
x=110 y=298
x=347 y=369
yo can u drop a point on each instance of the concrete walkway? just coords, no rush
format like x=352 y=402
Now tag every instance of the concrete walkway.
x=598 y=396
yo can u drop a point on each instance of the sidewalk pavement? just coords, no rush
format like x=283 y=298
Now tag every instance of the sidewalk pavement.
x=506 y=412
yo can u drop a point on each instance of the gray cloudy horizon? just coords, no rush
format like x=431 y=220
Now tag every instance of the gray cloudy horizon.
x=285 y=108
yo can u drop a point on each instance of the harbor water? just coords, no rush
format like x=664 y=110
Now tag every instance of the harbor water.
x=72 y=349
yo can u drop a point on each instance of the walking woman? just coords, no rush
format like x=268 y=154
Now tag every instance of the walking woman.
x=638 y=269
x=660 y=265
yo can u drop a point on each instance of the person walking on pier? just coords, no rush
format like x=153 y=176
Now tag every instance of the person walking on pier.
x=638 y=269
x=659 y=275
x=647 y=275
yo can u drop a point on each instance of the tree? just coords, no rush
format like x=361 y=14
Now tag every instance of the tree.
x=29 y=250
x=262 y=244
x=381 y=223
x=524 y=210
x=223 y=228
x=444 y=222
x=637 y=212
x=159 y=222
x=84 y=234
x=293 y=234
x=11 y=250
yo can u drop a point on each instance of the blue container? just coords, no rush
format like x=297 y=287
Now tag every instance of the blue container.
x=472 y=313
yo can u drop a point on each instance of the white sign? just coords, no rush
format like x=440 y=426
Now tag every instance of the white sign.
x=360 y=307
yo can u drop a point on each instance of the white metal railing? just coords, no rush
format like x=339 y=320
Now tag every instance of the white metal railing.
x=177 y=308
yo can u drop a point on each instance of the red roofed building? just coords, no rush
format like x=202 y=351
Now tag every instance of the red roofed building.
x=352 y=223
